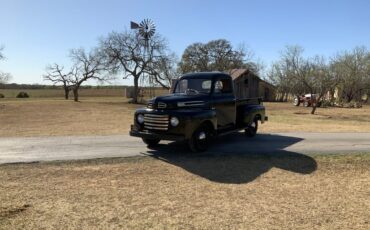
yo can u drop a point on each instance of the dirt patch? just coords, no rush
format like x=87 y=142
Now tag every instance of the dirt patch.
x=11 y=212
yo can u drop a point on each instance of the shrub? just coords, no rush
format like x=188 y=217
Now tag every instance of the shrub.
x=22 y=95
x=2 y=95
x=326 y=103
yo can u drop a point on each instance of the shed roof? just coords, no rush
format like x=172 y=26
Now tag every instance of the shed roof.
x=236 y=73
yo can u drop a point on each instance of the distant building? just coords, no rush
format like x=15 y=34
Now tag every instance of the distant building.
x=247 y=85
x=267 y=91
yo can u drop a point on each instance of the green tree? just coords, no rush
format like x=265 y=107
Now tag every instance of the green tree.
x=216 y=55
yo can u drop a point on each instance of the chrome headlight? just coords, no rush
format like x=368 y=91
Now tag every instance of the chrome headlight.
x=140 y=118
x=174 y=121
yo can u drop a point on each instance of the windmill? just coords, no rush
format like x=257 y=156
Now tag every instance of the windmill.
x=146 y=31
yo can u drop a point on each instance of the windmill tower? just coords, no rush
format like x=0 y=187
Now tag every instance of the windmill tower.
x=146 y=31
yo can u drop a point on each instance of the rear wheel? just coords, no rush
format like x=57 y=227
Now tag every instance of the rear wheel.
x=151 y=142
x=251 y=130
x=199 y=141
x=296 y=101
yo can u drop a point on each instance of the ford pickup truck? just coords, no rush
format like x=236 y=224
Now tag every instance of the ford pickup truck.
x=200 y=107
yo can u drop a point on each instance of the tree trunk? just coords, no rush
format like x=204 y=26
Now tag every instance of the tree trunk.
x=314 y=105
x=281 y=97
x=286 y=97
x=136 y=90
x=331 y=95
x=75 y=94
x=66 y=93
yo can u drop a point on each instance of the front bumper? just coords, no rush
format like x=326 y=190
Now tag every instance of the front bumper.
x=151 y=135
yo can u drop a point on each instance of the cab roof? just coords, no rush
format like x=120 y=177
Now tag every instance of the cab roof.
x=206 y=75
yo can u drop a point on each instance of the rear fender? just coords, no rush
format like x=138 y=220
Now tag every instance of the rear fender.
x=252 y=112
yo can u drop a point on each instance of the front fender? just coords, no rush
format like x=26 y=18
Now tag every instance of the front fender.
x=194 y=118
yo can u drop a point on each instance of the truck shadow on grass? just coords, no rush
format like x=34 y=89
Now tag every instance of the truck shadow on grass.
x=237 y=159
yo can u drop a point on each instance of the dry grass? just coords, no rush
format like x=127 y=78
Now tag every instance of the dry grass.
x=113 y=115
x=207 y=192
x=44 y=117
x=284 y=117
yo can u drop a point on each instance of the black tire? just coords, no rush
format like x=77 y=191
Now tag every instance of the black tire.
x=306 y=104
x=199 y=141
x=296 y=101
x=151 y=142
x=251 y=130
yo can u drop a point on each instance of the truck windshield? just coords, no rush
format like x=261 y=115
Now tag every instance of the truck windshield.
x=193 y=86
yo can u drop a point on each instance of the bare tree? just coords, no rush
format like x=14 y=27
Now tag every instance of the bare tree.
x=286 y=72
x=320 y=79
x=4 y=77
x=353 y=69
x=55 y=74
x=163 y=70
x=1 y=53
x=124 y=52
x=87 y=66
x=298 y=75
x=278 y=77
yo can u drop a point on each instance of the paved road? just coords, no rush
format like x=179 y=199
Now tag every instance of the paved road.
x=82 y=147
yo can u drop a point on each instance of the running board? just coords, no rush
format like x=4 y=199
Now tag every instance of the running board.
x=231 y=131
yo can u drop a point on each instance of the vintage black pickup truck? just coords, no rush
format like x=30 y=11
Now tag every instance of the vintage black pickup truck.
x=201 y=106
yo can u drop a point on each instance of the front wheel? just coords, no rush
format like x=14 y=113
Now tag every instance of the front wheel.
x=200 y=140
x=251 y=130
x=151 y=142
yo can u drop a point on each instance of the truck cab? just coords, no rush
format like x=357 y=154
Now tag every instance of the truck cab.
x=201 y=106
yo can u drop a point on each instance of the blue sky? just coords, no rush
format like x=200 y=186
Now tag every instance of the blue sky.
x=39 y=32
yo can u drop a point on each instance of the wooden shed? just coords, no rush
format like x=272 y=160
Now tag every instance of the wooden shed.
x=246 y=83
x=267 y=91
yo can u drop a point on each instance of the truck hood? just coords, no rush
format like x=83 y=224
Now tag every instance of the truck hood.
x=172 y=101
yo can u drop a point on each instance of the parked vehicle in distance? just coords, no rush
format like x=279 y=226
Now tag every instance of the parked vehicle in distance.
x=306 y=99
x=201 y=106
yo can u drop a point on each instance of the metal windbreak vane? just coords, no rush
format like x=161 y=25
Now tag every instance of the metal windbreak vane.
x=146 y=30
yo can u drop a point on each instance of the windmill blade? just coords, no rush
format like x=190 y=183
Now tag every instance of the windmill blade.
x=146 y=28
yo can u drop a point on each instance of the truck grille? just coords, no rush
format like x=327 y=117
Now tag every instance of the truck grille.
x=156 y=121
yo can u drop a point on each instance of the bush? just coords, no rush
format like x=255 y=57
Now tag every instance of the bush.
x=22 y=95
x=326 y=103
x=352 y=104
x=2 y=95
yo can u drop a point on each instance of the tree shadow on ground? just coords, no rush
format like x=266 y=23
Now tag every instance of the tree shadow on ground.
x=236 y=159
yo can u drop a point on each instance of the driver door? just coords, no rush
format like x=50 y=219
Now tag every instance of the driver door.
x=224 y=102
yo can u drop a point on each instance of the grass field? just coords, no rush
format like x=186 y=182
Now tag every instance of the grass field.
x=283 y=191
x=202 y=192
x=114 y=115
